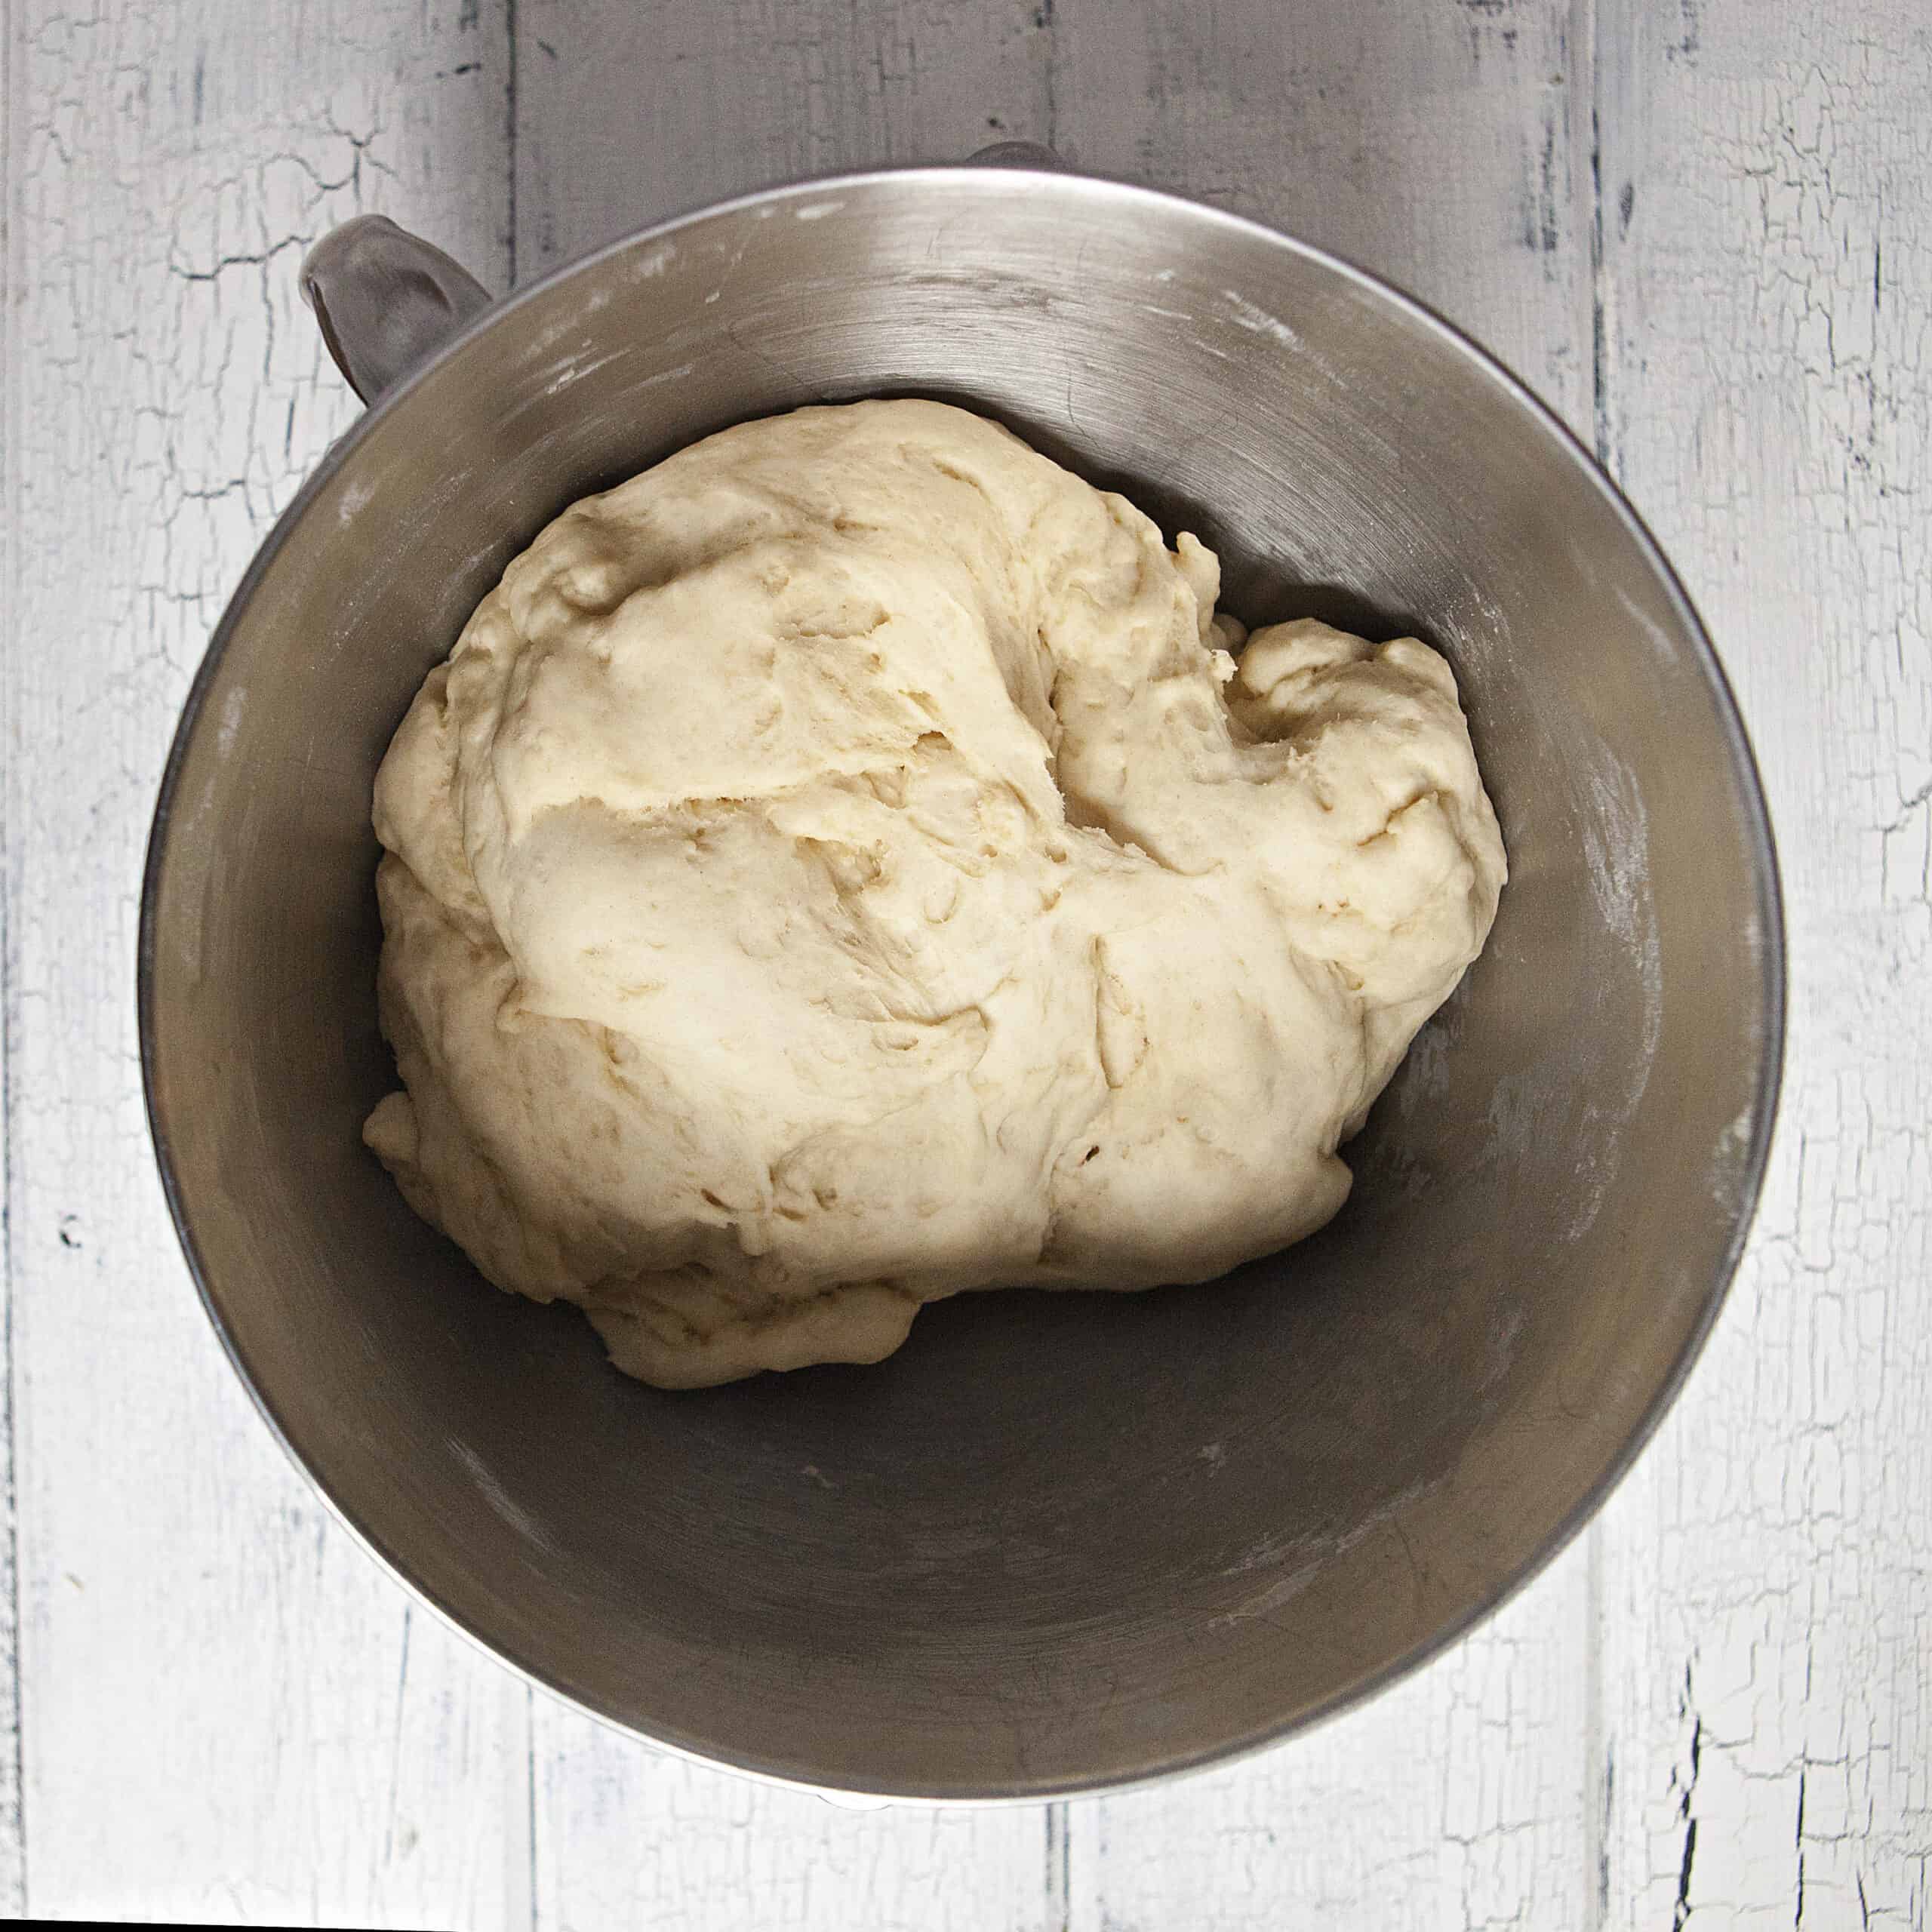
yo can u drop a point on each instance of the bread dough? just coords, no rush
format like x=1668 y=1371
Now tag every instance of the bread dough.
x=845 y=865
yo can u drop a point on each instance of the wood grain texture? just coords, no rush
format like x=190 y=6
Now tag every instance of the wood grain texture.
x=626 y=1836
x=228 y=1712
x=1696 y=226
x=13 y=1830
x=628 y=112
x=1765 y=286
x=1458 y=1799
x=1439 y=145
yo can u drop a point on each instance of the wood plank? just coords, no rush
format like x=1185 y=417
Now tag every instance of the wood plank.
x=627 y=112
x=629 y=1836
x=13 y=1839
x=230 y=1713
x=1458 y=1798
x=1769 y=1610
x=1445 y=148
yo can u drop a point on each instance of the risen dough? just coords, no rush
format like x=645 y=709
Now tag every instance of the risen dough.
x=843 y=866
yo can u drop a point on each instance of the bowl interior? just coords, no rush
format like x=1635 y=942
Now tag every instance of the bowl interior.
x=1059 y=1541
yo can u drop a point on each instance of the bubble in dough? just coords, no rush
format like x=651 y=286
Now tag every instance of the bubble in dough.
x=845 y=865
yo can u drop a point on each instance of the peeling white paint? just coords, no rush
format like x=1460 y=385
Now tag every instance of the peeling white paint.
x=226 y=1713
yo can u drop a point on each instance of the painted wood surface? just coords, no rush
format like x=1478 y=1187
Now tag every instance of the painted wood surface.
x=1697 y=228
x=1766 y=282
x=227 y=1712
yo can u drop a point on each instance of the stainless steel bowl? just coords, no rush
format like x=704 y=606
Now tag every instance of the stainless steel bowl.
x=1060 y=1542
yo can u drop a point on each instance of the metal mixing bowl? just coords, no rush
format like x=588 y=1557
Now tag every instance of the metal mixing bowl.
x=1060 y=1542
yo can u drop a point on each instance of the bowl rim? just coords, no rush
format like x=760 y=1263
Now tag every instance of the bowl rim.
x=1772 y=987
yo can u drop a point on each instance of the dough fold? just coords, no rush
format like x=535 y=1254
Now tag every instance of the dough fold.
x=845 y=865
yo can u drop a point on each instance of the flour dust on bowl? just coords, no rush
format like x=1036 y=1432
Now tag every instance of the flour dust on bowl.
x=1057 y=1543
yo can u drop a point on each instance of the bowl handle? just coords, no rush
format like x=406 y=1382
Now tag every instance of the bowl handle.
x=385 y=300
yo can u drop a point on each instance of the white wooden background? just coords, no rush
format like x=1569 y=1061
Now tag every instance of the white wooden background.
x=1700 y=228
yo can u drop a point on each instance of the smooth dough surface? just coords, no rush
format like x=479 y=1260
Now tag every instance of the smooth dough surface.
x=845 y=865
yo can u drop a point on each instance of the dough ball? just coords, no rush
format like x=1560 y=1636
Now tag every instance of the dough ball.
x=845 y=865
